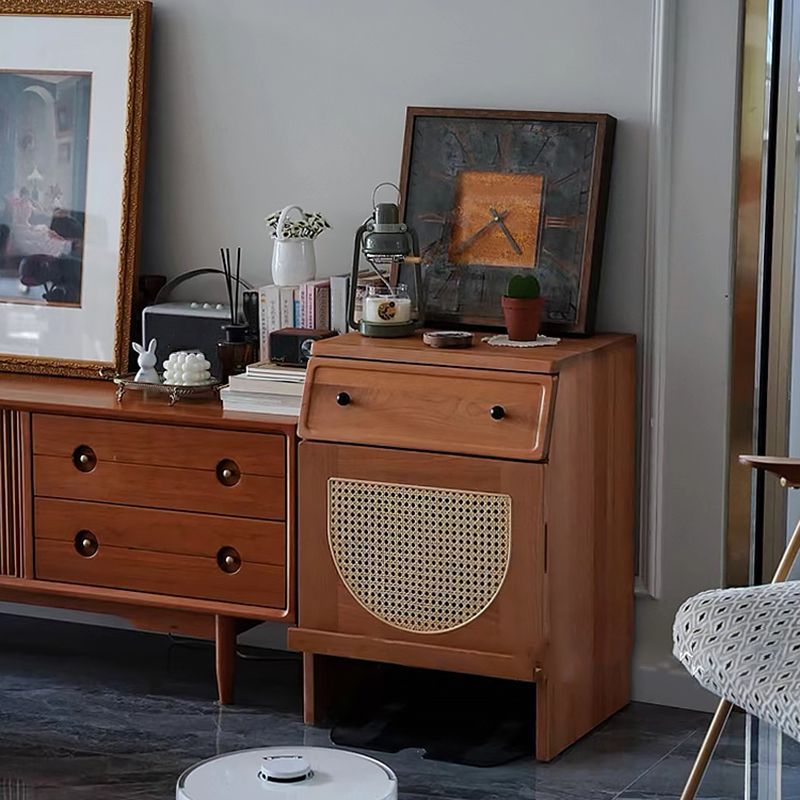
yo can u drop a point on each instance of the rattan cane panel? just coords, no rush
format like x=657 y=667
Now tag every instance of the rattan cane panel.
x=421 y=559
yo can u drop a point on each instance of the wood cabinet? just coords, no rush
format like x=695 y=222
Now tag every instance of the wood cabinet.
x=464 y=510
x=473 y=511
x=134 y=508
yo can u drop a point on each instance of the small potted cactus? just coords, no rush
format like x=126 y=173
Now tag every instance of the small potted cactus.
x=522 y=308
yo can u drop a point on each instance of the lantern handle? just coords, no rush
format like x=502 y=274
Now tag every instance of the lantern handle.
x=379 y=186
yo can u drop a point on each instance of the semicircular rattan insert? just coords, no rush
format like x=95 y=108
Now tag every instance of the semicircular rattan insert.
x=419 y=558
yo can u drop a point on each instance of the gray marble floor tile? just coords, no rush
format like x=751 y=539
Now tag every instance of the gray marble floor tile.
x=96 y=713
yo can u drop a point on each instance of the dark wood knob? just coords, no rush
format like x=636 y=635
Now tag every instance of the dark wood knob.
x=228 y=472
x=86 y=543
x=497 y=412
x=229 y=560
x=84 y=458
x=343 y=399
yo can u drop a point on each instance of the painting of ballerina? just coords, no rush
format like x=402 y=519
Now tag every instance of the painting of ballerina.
x=44 y=141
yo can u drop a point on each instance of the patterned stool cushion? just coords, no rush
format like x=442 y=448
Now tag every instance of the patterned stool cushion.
x=744 y=645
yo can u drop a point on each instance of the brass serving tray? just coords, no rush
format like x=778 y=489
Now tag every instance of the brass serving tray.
x=173 y=391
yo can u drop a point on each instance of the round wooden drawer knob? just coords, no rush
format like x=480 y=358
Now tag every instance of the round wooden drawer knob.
x=497 y=412
x=229 y=560
x=86 y=543
x=228 y=472
x=84 y=458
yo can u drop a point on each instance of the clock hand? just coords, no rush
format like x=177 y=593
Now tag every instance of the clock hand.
x=467 y=242
x=503 y=227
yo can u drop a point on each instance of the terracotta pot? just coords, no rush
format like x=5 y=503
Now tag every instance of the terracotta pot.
x=523 y=317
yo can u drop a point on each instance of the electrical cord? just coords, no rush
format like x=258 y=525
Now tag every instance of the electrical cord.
x=201 y=644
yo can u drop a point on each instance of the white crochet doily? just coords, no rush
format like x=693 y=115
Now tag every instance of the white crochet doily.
x=502 y=340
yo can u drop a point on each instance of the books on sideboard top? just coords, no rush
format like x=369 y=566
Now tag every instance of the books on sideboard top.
x=411 y=350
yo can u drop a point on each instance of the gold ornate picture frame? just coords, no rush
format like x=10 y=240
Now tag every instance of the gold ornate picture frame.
x=73 y=88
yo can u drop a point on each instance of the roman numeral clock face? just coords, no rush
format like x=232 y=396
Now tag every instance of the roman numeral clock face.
x=491 y=198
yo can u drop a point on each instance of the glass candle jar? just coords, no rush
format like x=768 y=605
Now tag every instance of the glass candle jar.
x=385 y=306
x=234 y=351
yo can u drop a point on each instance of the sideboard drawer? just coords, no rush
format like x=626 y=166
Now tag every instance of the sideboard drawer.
x=153 y=445
x=177 y=468
x=178 y=532
x=448 y=410
x=140 y=549
x=161 y=487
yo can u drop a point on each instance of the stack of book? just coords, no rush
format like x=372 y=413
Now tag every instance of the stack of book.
x=317 y=305
x=265 y=388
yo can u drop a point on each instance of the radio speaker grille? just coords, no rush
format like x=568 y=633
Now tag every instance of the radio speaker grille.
x=421 y=559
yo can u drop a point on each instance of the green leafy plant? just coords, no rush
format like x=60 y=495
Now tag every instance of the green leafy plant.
x=523 y=287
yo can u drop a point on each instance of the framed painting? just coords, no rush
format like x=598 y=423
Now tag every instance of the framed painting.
x=73 y=77
x=495 y=193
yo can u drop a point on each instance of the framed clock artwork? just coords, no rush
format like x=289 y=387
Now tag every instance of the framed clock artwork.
x=494 y=193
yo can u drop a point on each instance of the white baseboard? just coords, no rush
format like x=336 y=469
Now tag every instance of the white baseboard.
x=671 y=685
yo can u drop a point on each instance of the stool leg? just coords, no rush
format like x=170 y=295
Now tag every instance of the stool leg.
x=707 y=750
x=225 y=651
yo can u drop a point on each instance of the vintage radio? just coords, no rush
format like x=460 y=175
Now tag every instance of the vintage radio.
x=194 y=325
x=185 y=326
x=292 y=346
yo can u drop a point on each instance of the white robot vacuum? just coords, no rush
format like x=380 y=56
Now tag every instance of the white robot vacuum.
x=288 y=773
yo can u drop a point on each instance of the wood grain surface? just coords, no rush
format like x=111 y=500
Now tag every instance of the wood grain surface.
x=97 y=399
x=590 y=506
x=160 y=487
x=179 y=533
x=159 y=445
x=14 y=500
x=106 y=600
x=426 y=408
x=508 y=632
x=161 y=573
x=412 y=350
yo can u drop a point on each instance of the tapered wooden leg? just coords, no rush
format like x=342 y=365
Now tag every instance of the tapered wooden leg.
x=309 y=690
x=225 y=640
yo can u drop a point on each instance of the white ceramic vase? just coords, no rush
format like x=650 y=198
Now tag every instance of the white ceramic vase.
x=293 y=260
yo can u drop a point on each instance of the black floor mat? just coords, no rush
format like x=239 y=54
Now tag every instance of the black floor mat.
x=479 y=722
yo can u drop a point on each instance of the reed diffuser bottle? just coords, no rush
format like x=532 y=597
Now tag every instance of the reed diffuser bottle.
x=234 y=350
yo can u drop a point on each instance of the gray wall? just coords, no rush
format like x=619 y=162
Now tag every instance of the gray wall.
x=698 y=337
x=256 y=104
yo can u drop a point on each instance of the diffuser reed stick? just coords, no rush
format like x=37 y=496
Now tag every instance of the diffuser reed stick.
x=232 y=281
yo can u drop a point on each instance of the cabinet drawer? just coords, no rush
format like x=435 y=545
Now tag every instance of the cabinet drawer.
x=489 y=413
x=185 y=469
x=160 y=487
x=138 y=549
x=152 y=445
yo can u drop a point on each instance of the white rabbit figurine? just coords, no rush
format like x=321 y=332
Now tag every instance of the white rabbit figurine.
x=147 y=362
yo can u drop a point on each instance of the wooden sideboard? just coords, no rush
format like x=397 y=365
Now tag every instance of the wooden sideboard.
x=459 y=510
x=472 y=511
x=179 y=518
